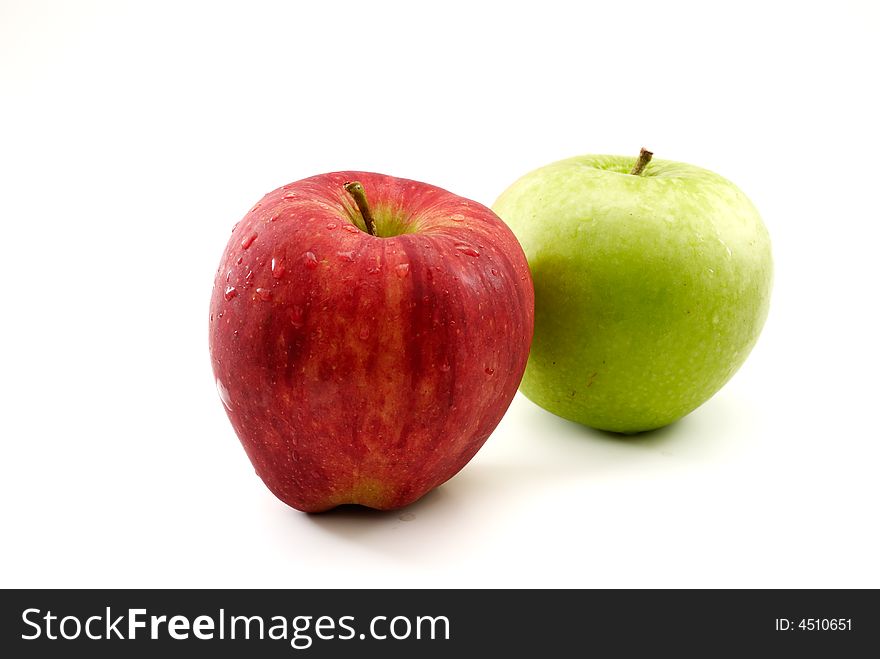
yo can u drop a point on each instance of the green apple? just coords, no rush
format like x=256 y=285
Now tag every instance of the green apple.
x=652 y=283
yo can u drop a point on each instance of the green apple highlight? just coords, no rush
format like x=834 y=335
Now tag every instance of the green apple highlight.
x=652 y=283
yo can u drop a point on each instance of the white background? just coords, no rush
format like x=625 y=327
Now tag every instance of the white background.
x=132 y=138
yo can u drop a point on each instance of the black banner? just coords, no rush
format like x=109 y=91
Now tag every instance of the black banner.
x=437 y=623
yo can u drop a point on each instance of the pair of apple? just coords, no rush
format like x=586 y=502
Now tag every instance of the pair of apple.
x=367 y=333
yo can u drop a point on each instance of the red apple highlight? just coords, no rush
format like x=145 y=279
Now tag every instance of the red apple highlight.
x=361 y=368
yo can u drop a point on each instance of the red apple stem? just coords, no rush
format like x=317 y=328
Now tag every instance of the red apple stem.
x=356 y=190
x=644 y=158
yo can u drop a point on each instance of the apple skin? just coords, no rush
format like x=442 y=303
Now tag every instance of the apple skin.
x=364 y=369
x=650 y=290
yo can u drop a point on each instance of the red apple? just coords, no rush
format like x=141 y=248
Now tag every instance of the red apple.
x=361 y=368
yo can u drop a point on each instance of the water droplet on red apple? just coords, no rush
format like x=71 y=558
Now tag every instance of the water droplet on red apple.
x=457 y=217
x=374 y=269
x=494 y=272
x=277 y=268
x=445 y=367
x=331 y=225
x=490 y=370
x=310 y=260
x=247 y=242
x=248 y=277
x=467 y=249
x=345 y=256
x=402 y=270
x=238 y=261
x=264 y=294
x=296 y=316
x=288 y=195
x=234 y=227
x=230 y=293
x=228 y=275
x=350 y=228
x=364 y=333
x=256 y=207
x=275 y=217
x=224 y=395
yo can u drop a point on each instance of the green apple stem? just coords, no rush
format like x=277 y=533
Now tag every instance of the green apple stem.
x=644 y=158
x=356 y=190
